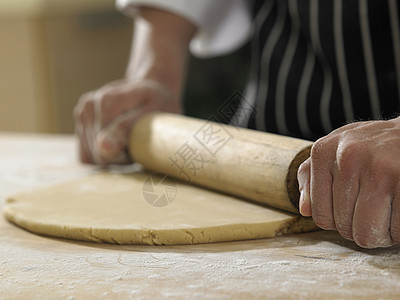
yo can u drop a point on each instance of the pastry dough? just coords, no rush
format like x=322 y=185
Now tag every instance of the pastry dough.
x=115 y=208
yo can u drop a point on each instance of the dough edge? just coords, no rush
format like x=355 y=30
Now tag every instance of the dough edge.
x=145 y=236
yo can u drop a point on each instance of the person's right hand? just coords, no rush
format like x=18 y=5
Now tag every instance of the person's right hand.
x=351 y=183
x=103 y=118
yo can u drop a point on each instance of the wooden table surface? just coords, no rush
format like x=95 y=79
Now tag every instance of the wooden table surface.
x=313 y=265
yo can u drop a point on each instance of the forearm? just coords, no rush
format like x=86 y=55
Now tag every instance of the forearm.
x=160 y=48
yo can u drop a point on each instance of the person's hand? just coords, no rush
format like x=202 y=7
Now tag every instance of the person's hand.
x=154 y=79
x=351 y=183
x=103 y=118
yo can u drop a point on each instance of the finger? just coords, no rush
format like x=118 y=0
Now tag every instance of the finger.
x=96 y=121
x=83 y=115
x=371 y=220
x=84 y=154
x=93 y=128
x=346 y=186
x=345 y=194
x=322 y=158
x=80 y=107
x=111 y=142
x=395 y=216
x=303 y=176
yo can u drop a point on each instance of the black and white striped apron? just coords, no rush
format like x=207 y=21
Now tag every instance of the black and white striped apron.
x=319 y=64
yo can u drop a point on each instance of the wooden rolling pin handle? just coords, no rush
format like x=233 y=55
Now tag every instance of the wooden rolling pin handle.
x=250 y=164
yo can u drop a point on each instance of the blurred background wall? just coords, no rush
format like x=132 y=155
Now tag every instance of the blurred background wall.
x=52 y=51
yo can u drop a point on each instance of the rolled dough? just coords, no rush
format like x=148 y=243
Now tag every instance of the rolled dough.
x=118 y=208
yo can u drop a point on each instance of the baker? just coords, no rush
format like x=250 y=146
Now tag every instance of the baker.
x=317 y=67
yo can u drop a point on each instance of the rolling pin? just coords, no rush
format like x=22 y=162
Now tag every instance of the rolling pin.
x=249 y=164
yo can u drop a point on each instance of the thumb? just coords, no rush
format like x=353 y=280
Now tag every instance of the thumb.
x=112 y=140
x=303 y=177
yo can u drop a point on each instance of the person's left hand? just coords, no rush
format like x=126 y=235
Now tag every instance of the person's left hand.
x=351 y=183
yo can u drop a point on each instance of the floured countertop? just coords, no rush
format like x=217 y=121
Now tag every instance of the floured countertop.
x=319 y=264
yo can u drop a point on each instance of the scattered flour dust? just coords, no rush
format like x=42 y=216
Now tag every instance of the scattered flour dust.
x=281 y=266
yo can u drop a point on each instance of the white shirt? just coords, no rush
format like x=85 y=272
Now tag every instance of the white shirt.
x=223 y=25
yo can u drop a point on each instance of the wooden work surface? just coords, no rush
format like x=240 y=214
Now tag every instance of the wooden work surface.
x=314 y=265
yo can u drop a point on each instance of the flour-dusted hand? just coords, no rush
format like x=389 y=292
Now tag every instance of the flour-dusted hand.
x=153 y=82
x=351 y=182
x=103 y=118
